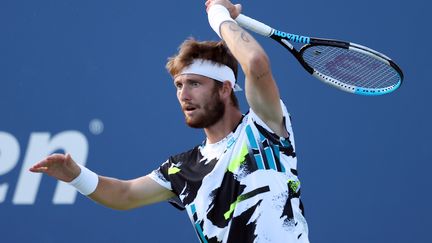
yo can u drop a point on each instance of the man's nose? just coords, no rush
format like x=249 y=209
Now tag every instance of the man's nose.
x=184 y=94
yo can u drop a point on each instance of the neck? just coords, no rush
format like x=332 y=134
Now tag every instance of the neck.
x=224 y=126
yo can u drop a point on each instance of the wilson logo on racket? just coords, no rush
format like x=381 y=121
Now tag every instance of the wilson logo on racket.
x=292 y=37
x=344 y=64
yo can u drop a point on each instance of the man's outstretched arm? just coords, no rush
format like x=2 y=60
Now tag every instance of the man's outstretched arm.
x=110 y=192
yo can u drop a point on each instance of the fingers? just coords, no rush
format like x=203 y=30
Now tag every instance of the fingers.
x=56 y=157
x=225 y=3
x=234 y=10
x=208 y=4
x=238 y=8
x=43 y=165
x=40 y=166
x=42 y=169
x=68 y=157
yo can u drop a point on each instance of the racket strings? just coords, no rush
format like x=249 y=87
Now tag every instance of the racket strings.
x=351 y=67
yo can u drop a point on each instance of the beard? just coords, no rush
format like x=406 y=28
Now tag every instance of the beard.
x=210 y=113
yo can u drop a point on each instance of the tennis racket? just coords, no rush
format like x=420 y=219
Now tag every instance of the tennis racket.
x=347 y=66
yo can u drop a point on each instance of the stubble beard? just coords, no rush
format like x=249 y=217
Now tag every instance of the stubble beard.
x=211 y=113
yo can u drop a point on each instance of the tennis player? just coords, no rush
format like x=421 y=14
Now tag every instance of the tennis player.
x=240 y=184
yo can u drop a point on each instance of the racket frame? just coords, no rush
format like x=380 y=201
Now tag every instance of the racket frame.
x=285 y=40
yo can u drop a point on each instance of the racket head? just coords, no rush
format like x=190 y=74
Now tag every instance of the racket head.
x=351 y=67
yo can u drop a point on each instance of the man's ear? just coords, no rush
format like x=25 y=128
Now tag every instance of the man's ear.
x=226 y=90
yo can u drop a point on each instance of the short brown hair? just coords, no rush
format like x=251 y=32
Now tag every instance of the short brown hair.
x=191 y=49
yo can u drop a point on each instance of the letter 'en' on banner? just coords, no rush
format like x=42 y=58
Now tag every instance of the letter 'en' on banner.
x=40 y=145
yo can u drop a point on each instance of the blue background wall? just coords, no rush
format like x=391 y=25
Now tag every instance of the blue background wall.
x=95 y=69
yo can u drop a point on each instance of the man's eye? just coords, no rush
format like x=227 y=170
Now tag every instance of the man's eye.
x=178 y=85
x=195 y=84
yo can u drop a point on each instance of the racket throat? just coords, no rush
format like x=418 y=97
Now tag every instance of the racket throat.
x=285 y=43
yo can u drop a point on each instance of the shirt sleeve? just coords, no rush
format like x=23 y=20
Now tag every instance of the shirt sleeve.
x=160 y=175
x=286 y=118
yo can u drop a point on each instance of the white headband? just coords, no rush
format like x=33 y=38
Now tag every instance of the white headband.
x=212 y=70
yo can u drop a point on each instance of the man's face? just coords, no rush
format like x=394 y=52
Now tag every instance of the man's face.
x=199 y=99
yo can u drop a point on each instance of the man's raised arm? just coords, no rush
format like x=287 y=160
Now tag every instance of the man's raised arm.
x=261 y=89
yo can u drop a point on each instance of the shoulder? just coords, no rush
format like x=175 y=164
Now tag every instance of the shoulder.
x=184 y=156
x=252 y=117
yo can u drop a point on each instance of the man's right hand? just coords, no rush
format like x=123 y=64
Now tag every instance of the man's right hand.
x=59 y=166
x=234 y=9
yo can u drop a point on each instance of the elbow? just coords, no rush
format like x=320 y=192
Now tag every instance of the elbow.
x=121 y=208
x=121 y=200
x=258 y=64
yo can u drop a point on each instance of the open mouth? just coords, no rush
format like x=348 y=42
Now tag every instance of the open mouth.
x=189 y=108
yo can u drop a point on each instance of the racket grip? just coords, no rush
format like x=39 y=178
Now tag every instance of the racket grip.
x=254 y=25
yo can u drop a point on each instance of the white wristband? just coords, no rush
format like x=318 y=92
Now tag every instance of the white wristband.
x=217 y=14
x=86 y=182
